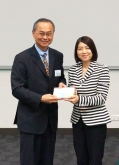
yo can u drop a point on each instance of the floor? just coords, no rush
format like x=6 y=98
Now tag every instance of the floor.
x=64 y=152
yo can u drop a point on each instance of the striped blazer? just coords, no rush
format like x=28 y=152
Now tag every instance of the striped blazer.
x=92 y=91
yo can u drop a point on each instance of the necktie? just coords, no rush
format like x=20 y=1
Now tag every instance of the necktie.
x=45 y=63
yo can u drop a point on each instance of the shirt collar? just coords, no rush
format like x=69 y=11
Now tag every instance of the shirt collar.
x=41 y=52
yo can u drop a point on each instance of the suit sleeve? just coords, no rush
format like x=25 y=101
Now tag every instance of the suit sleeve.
x=101 y=93
x=19 y=84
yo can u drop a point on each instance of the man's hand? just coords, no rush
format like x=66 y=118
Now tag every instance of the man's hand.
x=61 y=85
x=73 y=99
x=48 y=98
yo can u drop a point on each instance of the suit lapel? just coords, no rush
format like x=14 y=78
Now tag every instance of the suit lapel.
x=79 y=71
x=88 y=73
x=37 y=60
x=51 y=61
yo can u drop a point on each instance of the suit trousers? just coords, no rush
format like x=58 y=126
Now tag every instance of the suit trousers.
x=37 y=149
x=89 y=143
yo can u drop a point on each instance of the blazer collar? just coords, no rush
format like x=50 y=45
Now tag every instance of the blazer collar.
x=37 y=60
x=88 y=73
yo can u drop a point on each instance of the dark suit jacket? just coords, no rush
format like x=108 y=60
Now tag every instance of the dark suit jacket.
x=29 y=82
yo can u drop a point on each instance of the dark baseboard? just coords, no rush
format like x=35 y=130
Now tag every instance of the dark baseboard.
x=60 y=131
x=9 y=131
x=68 y=131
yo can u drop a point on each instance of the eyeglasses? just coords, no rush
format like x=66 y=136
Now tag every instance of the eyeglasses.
x=42 y=34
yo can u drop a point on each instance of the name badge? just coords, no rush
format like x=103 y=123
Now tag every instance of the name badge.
x=57 y=73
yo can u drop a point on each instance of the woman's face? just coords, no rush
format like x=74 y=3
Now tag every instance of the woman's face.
x=84 y=52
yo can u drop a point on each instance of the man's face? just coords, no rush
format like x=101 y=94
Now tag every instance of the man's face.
x=43 y=35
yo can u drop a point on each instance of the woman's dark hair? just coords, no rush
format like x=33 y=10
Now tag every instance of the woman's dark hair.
x=89 y=42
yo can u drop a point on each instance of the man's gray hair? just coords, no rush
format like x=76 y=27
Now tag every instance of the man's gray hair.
x=42 y=20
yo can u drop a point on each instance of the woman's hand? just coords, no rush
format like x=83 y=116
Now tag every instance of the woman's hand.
x=75 y=91
x=73 y=99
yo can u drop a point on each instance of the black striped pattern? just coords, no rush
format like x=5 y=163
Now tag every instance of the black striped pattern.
x=92 y=91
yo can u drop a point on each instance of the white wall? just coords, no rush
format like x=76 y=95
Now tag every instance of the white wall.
x=72 y=18
x=8 y=103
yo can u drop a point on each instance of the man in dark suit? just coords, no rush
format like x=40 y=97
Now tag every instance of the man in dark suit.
x=33 y=79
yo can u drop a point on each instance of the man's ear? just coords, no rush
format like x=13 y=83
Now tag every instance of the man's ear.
x=33 y=33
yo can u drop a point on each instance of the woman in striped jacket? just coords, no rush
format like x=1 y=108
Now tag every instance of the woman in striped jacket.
x=90 y=116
